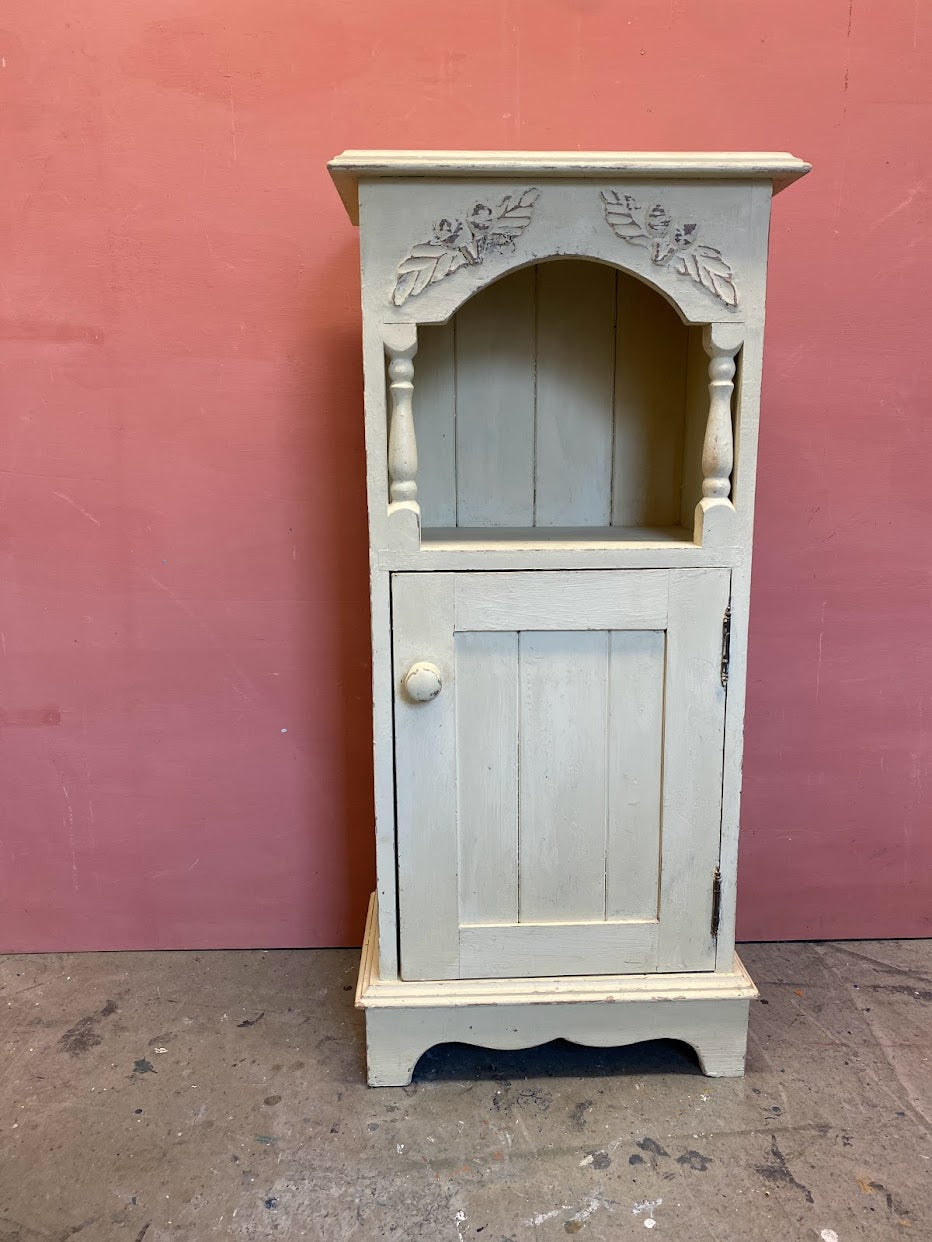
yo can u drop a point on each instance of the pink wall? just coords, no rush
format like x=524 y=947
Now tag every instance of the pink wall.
x=184 y=600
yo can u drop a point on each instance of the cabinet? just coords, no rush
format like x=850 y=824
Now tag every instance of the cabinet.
x=562 y=358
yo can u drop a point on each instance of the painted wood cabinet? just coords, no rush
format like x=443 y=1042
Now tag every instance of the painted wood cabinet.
x=562 y=360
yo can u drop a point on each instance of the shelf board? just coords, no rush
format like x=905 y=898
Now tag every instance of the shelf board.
x=563 y=538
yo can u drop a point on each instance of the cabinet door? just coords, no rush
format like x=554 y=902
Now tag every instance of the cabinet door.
x=559 y=800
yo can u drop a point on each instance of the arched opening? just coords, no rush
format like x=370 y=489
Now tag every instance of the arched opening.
x=567 y=399
x=559 y=1058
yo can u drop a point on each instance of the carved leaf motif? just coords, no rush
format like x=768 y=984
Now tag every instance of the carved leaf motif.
x=705 y=265
x=671 y=244
x=457 y=243
x=425 y=264
x=619 y=213
x=512 y=216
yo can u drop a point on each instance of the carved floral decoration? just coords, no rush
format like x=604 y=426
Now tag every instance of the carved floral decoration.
x=462 y=243
x=671 y=244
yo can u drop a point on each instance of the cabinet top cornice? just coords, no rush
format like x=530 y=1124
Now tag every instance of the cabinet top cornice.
x=778 y=167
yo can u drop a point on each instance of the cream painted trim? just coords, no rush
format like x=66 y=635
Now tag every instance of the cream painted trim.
x=375 y=993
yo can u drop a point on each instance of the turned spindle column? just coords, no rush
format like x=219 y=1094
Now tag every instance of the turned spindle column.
x=401 y=346
x=721 y=342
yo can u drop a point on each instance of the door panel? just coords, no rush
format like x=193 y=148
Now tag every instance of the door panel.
x=562 y=776
x=565 y=600
x=635 y=757
x=559 y=802
x=486 y=674
x=528 y=949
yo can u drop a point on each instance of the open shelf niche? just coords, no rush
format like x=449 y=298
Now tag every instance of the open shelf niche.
x=565 y=402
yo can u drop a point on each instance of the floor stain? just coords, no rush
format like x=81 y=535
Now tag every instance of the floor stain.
x=84 y=1036
x=694 y=1160
x=598 y=1159
x=894 y=1206
x=534 y=1099
x=578 y=1115
x=919 y=994
x=779 y=1172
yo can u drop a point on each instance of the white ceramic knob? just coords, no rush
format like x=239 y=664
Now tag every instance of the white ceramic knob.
x=422 y=682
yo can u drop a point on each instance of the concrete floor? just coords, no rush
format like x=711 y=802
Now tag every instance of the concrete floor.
x=189 y=1096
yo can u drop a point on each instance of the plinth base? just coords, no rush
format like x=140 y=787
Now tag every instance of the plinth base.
x=708 y=1011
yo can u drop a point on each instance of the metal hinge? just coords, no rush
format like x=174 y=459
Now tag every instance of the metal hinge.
x=716 y=900
x=726 y=644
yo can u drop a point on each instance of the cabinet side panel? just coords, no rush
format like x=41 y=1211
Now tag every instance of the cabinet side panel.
x=650 y=379
x=575 y=382
x=635 y=748
x=563 y=777
x=383 y=753
x=435 y=424
x=495 y=385
x=734 y=746
x=487 y=775
x=747 y=416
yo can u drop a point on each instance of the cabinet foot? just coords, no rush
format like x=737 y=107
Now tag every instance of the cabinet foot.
x=721 y=1052
x=391 y=1052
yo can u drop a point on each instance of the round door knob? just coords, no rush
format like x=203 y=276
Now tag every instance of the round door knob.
x=422 y=682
